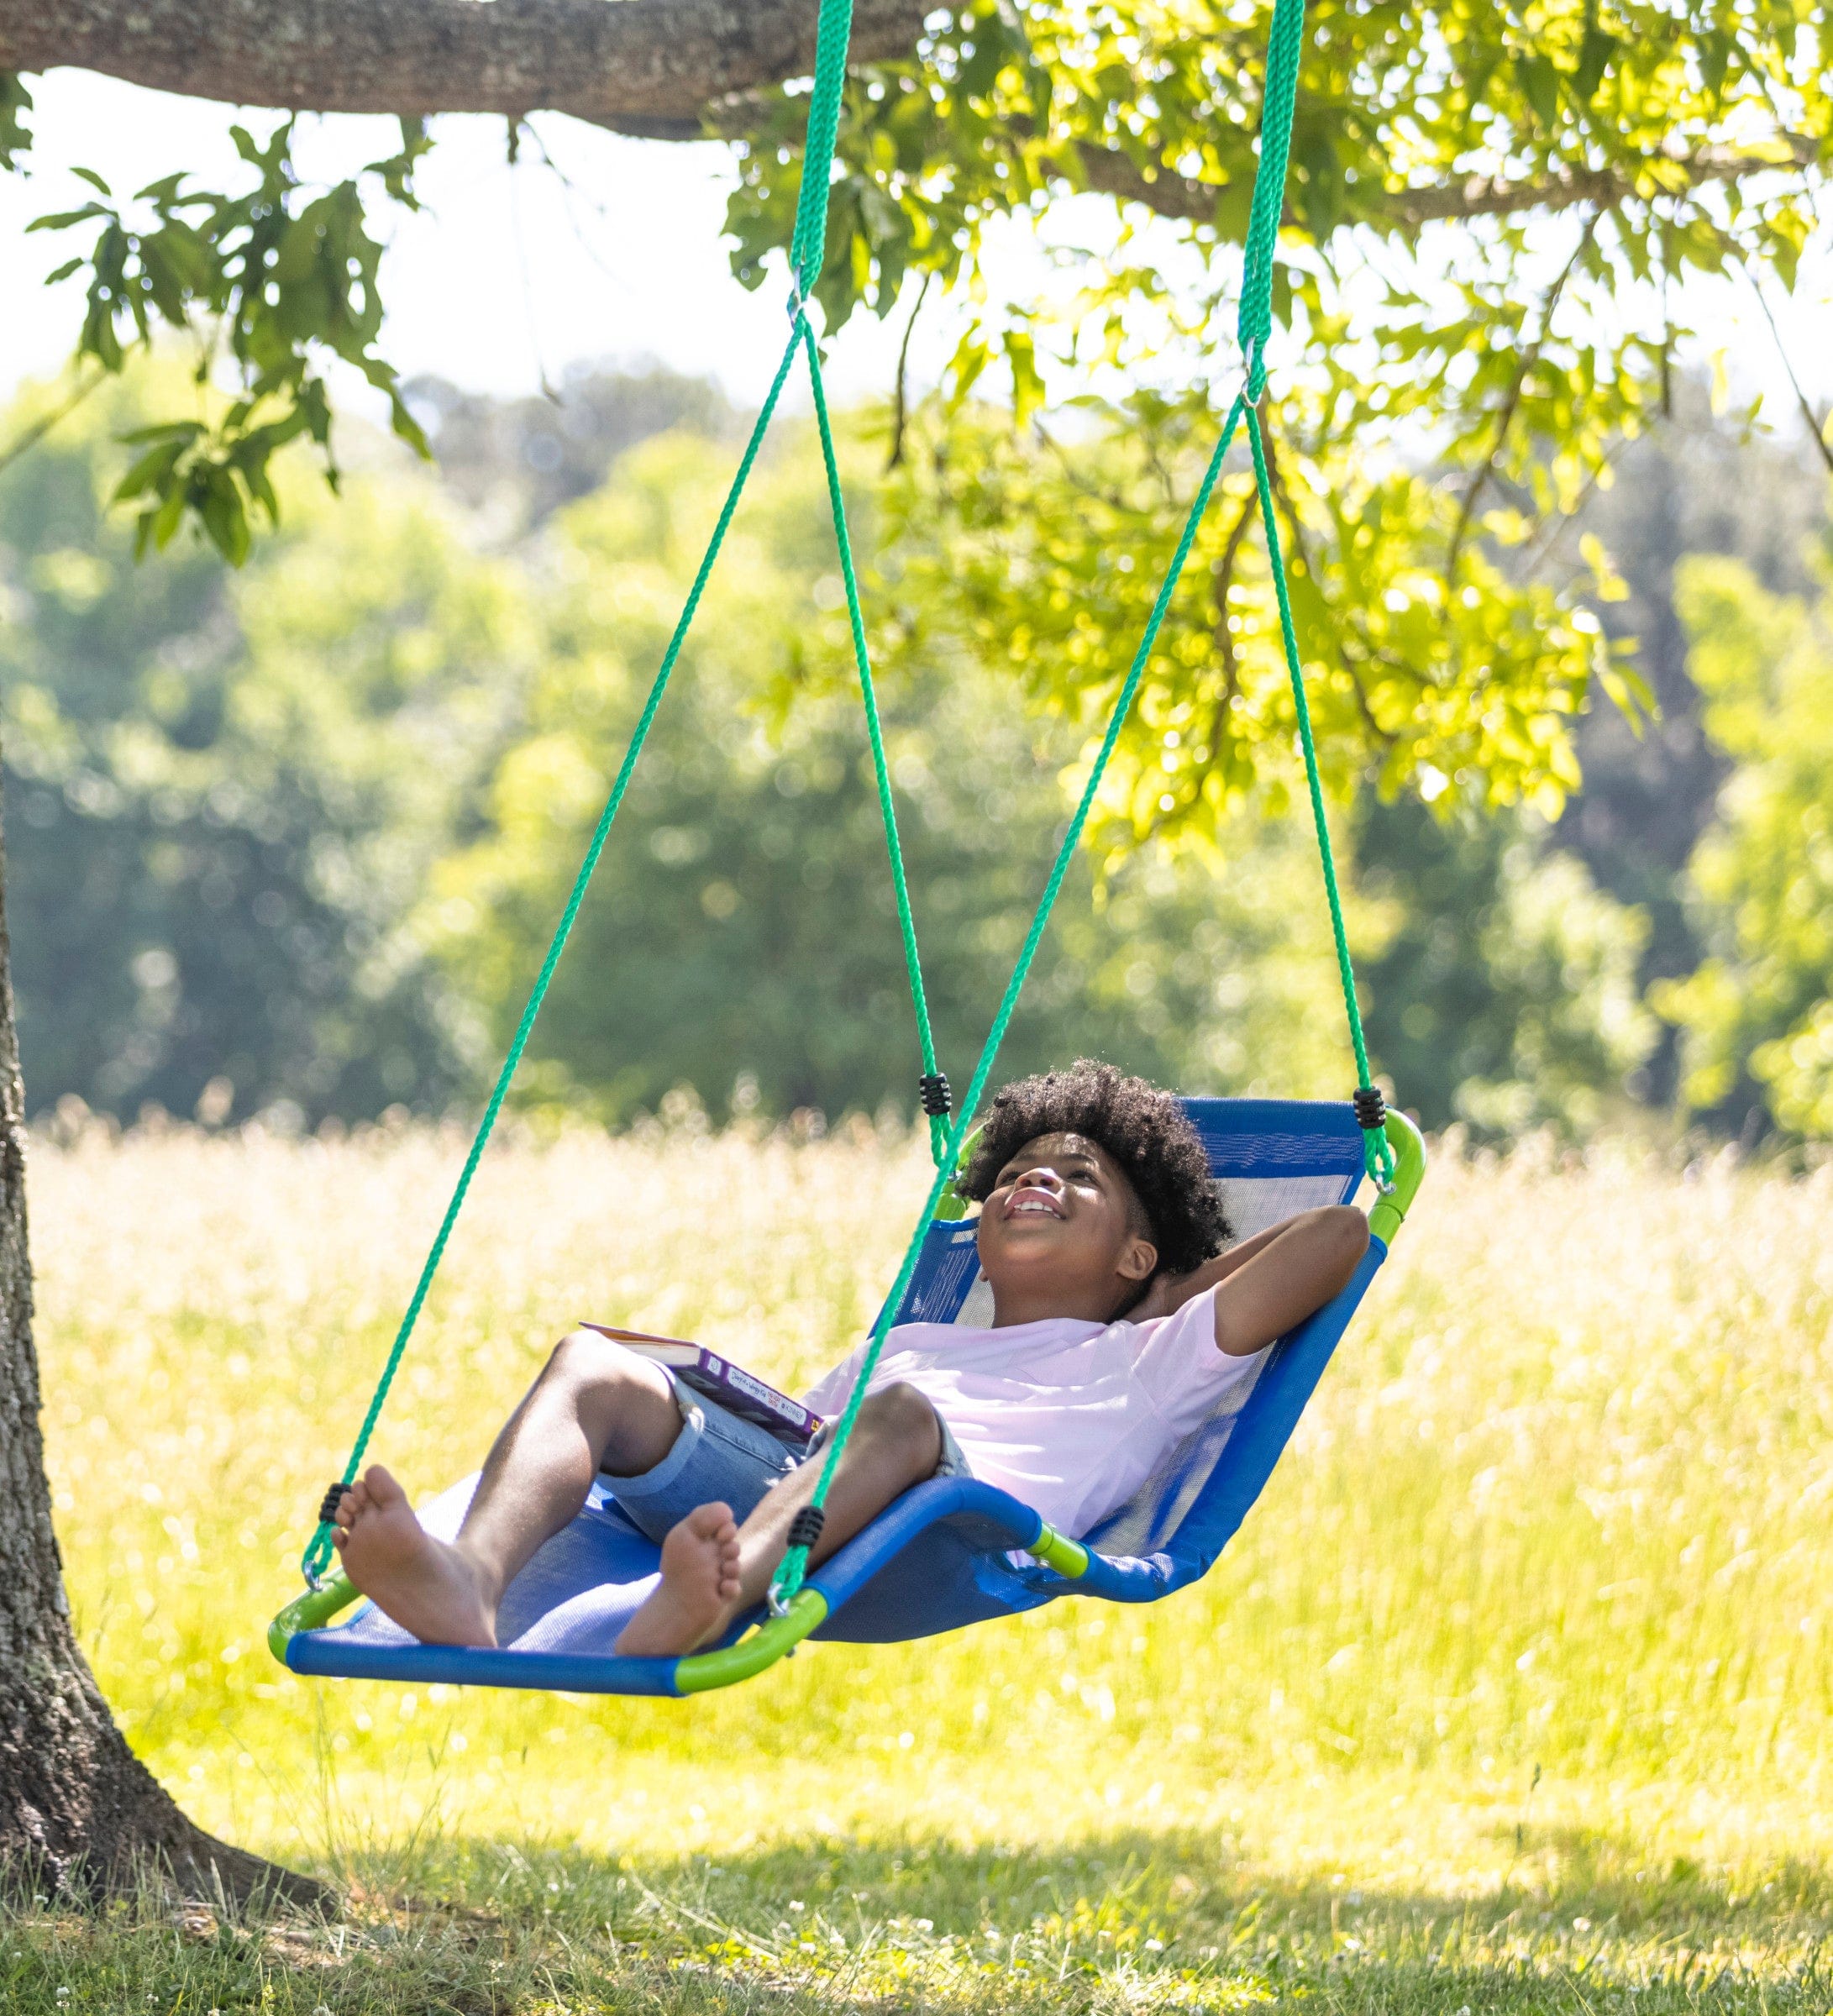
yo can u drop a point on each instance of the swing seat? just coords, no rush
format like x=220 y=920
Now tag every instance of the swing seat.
x=950 y=1552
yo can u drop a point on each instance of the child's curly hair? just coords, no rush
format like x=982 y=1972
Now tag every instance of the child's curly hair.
x=1147 y=1133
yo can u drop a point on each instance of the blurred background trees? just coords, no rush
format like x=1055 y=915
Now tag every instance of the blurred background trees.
x=1756 y=1015
x=292 y=840
x=225 y=791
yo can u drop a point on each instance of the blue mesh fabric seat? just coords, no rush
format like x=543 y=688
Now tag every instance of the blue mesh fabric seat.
x=948 y=1553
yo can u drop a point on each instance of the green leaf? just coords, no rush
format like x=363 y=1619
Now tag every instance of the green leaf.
x=15 y=101
x=224 y=518
x=1027 y=386
x=397 y=171
x=165 y=193
x=1538 y=82
x=406 y=427
x=94 y=181
x=1594 y=56
x=1716 y=49
x=62 y=220
x=167 y=516
x=166 y=430
x=164 y=280
x=151 y=472
x=971 y=357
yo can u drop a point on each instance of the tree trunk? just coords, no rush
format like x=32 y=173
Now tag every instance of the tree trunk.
x=76 y=1804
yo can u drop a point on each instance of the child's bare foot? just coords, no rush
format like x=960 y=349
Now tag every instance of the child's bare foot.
x=428 y=1586
x=698 y=1589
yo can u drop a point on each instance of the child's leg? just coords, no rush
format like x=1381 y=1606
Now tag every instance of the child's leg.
x=595 y=1406
x=711 y=1570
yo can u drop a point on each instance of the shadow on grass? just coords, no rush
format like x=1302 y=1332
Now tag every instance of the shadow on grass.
x=1130 y=1919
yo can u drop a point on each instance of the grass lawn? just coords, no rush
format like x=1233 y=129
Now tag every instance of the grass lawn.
x=1514 y=1691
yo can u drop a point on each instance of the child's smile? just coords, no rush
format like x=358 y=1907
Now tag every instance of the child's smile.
x=1032 y=1196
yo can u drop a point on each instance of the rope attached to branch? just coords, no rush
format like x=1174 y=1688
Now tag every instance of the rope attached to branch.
x=806 y=254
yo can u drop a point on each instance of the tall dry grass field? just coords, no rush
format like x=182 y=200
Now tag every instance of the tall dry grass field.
x=1539 y=1605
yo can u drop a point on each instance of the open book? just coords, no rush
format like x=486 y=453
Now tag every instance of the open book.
x=716 y=1378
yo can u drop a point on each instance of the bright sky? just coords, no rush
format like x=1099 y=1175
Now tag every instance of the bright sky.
x=509 y=271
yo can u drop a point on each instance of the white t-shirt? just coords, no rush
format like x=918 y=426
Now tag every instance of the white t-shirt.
x=1070 y=1416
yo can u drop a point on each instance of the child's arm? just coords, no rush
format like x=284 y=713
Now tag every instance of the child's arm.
x=1270 y=1282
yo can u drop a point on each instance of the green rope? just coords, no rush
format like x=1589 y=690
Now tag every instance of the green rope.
x=808 y=252
x=1285 y=47
x=318 y=1554
x=1377 y=1155
x=1285 y=50
x=1286 y=41
x=808 y=248
x=794 y=1566
x=805 y=257
x=938 y=1125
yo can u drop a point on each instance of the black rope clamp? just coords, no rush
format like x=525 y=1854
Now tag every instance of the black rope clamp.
x=1370 y=1108
x=327 y=1509
x=938 y=1099
x=805 y=1528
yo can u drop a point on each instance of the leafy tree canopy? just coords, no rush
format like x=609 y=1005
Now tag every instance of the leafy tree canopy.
x=1489 y=214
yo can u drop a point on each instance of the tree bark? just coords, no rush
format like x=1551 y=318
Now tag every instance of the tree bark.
x=77 y=1807
x=647 y=66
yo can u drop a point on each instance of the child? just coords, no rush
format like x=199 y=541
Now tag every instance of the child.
x=1116 y=1330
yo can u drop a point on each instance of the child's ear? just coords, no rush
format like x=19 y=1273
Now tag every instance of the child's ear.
x=1139 y=1261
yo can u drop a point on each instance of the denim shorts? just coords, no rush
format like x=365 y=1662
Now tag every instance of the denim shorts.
x=717 y=1456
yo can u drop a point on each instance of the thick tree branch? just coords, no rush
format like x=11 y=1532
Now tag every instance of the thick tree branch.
x=1175 y=196
x=654 y=68
x=647 y=66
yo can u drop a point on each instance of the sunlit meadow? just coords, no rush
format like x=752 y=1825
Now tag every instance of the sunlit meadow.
x=1515 y=1688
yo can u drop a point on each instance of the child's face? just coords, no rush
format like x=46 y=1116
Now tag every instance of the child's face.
x=1063 y=1217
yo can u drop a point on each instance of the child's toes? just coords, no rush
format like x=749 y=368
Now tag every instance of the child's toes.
x=385 y=1492
x=709 y=1523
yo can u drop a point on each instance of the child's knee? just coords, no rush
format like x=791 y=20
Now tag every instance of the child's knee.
x=902 y=1414
x=584 y=1357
